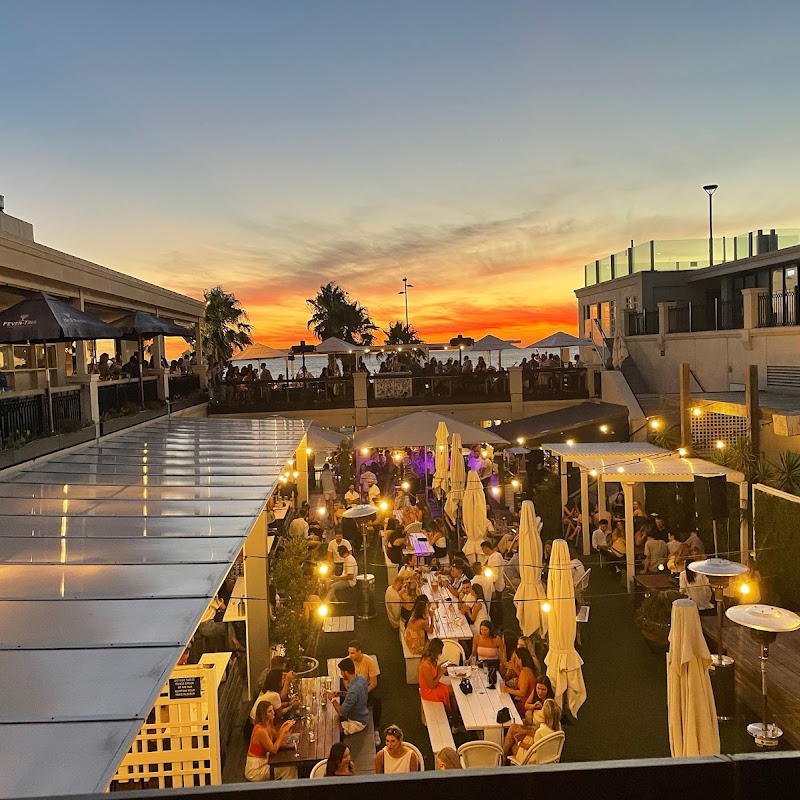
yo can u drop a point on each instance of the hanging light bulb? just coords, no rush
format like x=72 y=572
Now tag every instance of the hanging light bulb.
x=520 y=440
x=515 y=483
x=697 y=411
x=322 y=610
x=744 y=589
x=604 y=428
x=405 y=485
x=546 y=607
x=570 y=442
x=323 y=568
x=495 y=490
x=655 y=424
x=683 y=452
x=593 y=473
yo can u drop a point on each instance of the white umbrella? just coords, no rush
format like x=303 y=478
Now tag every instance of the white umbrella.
x=473 y=512
x=620 y=350
x=563 y=662
x=530 y=592
x=693 y=727
x=458 y=476
x=440 y=475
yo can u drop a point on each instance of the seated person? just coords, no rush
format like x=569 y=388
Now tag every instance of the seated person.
x=697 y=587
x=393 y=601
x=600 y=538
x=271 y=692
x=618 y=543
x=487 y=644
x=420 y=626
x=473 y=607
x=656 y=553
x=576 y=565
x=438 y=541
x=353 y=711
x=395 y=757
x=534 y=715
x=520 y=677
x=430 y=676
x=348 y=576
x=525 y=738
x=351 y=496
x=333 y=551
x=695 y=543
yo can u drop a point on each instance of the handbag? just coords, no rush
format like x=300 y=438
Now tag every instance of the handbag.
x=503 y=715
x=465 y=686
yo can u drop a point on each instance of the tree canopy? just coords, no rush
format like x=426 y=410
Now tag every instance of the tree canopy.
x=225 y=326
x=335 y=314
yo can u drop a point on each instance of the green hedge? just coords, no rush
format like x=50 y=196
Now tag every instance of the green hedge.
x=777 y=526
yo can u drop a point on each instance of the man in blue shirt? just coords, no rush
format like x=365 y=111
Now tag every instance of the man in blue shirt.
x=353 y=711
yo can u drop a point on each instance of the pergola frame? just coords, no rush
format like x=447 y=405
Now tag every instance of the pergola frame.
x=632 y=463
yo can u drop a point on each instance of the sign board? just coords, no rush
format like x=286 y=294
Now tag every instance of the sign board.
x=184 y=688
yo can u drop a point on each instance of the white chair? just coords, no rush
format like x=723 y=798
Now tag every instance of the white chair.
x=414 y=527
x=476 y=755
x=420 y=759
x=318 y=770
x=581 y=586
x=453 y=652
x=546 y=751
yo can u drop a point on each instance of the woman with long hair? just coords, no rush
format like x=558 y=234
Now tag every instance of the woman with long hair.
x=487 y=644
x=447 y=758
x=473 y=607
x=523 y=738
x=438 y=541
x=265 y=740
x=339 y=762
x=520 y=677
x=420 y=625
x=395 y=756
x=430 y=676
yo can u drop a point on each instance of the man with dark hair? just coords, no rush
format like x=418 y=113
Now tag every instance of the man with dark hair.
x=353 y=711
x=368 y=669
x=348 y=576
x=495 y=564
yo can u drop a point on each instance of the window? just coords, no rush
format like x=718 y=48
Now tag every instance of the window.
x=632 y=303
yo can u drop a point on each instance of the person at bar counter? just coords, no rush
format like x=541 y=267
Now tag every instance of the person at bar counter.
x=353 y=711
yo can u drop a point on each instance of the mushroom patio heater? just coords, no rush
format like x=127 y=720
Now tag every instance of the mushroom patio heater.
x=365 y=582
x=719 y=572
x=765 y=623
x=461 y=342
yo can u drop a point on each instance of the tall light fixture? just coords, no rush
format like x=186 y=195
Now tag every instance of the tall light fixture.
x=406 y=287
x=710 y=188
x=461 y=342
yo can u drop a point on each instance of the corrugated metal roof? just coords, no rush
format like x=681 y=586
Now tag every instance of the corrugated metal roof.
x=108 y=558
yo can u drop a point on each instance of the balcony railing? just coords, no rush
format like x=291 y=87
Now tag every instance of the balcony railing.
x=400 y=390
x=298 y=394
x=721 y=315
x=183 y=385
x=643 y=323
x=26 y=417
x=566 y=383
x=778 y=309
x=115 y=395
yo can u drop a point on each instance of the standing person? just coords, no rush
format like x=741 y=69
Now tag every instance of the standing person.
x=496 y=563
x=327 y=482
x=394 y=601
x=333 y=551
x=265 y=740
x=368 y=669
x=395 y=757
x=353 y=711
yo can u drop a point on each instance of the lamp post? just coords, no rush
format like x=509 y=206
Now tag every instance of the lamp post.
x=461 y=342
x=406 y=287
x=710 y=188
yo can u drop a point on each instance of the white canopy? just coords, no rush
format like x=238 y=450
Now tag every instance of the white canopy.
x=335 y=345
x=108 y=558
x=259 y=352
x=556 y=341
x=530 y=592
x=473 y=509
x=693 y=727
x=419 y=428
x=323 y=439
x=562 y=660
x=491 y=343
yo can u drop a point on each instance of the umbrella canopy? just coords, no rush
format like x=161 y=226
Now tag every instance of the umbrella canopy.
x=530 y=592
x=563 y=662
x=693 y=727
x=490 y=343
x=473 y=510
x=420 y=428
x=259 y=352
x=458 y=476
x=140 y=324
x=43 y=318
x=440 y=459
x=321 y=440
x=556 y=341
x=333 y=344
x=620 y=350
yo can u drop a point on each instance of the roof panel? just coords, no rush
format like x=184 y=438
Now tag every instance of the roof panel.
x=79 y=491
x=76 y=527
x=15 y=507
x=63 y=475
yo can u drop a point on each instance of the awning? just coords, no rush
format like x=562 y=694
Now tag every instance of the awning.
x=534 y=429
x=108 y=558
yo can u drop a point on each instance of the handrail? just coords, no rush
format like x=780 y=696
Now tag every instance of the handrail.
x=696 y=380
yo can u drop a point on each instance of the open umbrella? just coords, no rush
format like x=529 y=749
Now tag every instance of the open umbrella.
x=530 y=593
x=458 y=476
x=139 y=326
x=473 y=514
x=46 y=319
x=693 y=727
x=563 y=662
x=440 y=460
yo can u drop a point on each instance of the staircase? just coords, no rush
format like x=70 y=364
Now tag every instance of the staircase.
x=634 y=377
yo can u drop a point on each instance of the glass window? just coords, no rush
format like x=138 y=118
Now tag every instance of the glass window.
x=23 y=356
x=604 y=269
x=6 y=357
x=640 y=257
x=621 y=263
x=777 y=281
x=590 y=272
x=790 y=278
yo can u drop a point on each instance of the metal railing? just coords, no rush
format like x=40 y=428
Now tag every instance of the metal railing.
x=23 y=417
x=721 y=315
x=397 y=390
x=114 y=395
x=288 y=395
x=183 y=385
x=566 y=383
x=67 y=407
x=643 y=323
x=778 y=309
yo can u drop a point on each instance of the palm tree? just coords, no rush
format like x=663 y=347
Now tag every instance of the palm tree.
x=400 y=333
x=225 y=326
x=335 y=314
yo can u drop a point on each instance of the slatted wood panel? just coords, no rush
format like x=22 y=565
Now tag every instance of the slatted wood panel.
x=783 y=668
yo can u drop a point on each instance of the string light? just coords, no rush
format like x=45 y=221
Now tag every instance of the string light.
x=309 y=451
x=697 y=411
x=405 y=485
x=620 y=469
x=365 y=451
x=384 y=506
x=593 y=473
x=323 y=568
x=322 y=610
x=515 y=483
x=495 y=491
x=441 y=447
x=546 y=607
x=484 y=453
x=744 y=588
x=683 y=452
x=487 y=572
x=322 y=511
x=520 y=440
x=655 y=424
x=570 y=443
x=604 y=428
x=295 y=474
x=720 y=445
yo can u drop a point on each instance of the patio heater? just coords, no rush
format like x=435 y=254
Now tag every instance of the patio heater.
x=301 y=350
x=719 y=572
x=461 y=342
x=365 y=582
x=765 y=623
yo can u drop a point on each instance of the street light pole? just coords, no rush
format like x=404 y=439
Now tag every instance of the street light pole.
x=710 y=188
x=406 y=287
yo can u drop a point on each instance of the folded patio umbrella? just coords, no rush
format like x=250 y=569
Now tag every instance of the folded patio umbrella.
x=458 y=477
x=440 y=474
x=693 y=727
x=562 y=660
x=473 y=513
x=530 y=593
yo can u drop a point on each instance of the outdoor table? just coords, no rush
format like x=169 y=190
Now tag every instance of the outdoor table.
x=479 y=709
x=656 y=582
x=234 y=612
x=448 y=621
x=421 y=548
x=317 y=729
x=280 y=512
x=340 y=624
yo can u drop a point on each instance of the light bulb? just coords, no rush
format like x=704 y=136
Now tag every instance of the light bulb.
x=683 y=452
x=593 y=473
x=495 y=491
x=484 y=453
x=322 y=511
x=441 y=447
x=546 y=607
x=365 y=451
x=720 y=445
x=570 y=442
x=405 y=485
x=323 y=568
x=697 y=412
x=322 y=610
x=295 y=474
x=660 y=567
x=383 y=505
x=515 y=483
x=655 y=424
x=604 y=429
x=620 y=469
x=520 y=440
x=309 y=451
x=744 y=588
x=488 y=572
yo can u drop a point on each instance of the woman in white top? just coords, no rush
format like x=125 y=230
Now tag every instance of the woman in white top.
x=473 y=607
x=696 y=587
x=396 y=756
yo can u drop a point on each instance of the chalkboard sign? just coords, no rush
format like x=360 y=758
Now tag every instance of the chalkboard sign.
x=184 y=688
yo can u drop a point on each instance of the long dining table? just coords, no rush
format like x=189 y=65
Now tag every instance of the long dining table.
x=448 y=621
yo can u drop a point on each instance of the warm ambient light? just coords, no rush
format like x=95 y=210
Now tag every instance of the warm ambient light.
x=520 y=440
x=570 y=442
x=322 y=610
x=515 y=483
x=744 y=588
x=546 y=607
x=309 y=451
x=487 y=572
x=683 y=452
x=295 y=474
x=697 y=412
x=322 y=511
x=720 y=445
x=593 y=473
x=604 y=429
x=323 y=568
x=365 y=451
x=655 y=424
x=286 y=474
x=441 y=447
x=484 y=453
x=384 y=506
x=661 y=567
x=620 y=469
x=397 y=456
x=495 y=491
x=405 y=485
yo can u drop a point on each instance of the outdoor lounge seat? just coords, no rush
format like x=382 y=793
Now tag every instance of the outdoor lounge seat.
x=545 y=751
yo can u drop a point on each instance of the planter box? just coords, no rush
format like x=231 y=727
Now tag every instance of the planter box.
x=120 y=423
x=44 y=447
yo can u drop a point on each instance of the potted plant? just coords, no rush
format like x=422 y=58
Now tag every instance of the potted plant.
x=653 y=618
x=294 y=582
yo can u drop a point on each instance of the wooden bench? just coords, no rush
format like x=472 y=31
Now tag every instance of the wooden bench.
x=435 y=718
x=784 y=655
x=412 y=660
x=362 y=748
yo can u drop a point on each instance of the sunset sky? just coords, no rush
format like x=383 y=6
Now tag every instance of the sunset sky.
x=485 y=150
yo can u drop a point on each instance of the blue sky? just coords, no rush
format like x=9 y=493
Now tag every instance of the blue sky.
x=485 y=150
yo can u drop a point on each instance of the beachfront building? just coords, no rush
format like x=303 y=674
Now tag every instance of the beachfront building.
x=673 y=307
x=79 y=396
